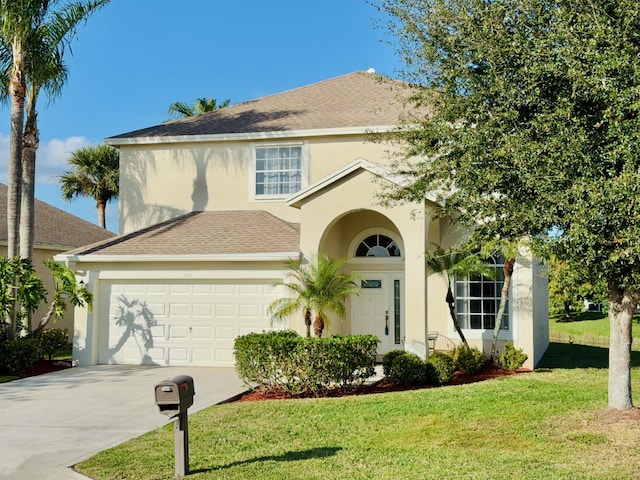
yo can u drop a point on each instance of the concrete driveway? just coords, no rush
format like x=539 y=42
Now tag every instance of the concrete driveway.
x=53 y=421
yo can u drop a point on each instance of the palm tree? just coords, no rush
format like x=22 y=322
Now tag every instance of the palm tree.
x=451 y=264
x=300 y=295
x=320 y=287
x=95 y=174
x=45 y=70
x=30 y=33
x=201 y=105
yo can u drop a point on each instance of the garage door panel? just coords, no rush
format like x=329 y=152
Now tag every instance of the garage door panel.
x=181 y=322
x=227 y=310
x=202 y=310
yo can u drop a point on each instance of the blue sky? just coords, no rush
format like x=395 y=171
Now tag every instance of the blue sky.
x=136 y=57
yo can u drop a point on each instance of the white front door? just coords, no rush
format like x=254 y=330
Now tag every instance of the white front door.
x=378 y=310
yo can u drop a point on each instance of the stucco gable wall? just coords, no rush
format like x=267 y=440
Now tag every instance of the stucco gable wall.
x=159 y=182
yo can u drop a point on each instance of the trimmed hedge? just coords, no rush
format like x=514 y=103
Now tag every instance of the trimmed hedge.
x=409 y=369
x=284 y=361
x=442 y=369
x=511 y=358
x=18 y=355
x=469 y=361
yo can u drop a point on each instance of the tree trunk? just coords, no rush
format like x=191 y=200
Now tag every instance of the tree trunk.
x=307 y=321
x=17 y=92
x=318 y=326
x=622 y=305
x=567 y=310
x=30 y=142
x=452 y=311
x=504 y=296
x=101 y=206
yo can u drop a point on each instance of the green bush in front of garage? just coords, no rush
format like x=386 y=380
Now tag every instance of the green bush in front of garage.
x=283 y=361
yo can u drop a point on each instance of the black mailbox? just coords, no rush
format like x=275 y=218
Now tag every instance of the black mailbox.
x=175 y=395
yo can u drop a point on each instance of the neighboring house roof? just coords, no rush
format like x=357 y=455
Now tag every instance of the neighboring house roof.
x=198 y=234
x=358 y=99
x=54 y=228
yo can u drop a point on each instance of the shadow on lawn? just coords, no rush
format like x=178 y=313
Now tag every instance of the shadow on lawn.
x=573 y=355
x=285 y=457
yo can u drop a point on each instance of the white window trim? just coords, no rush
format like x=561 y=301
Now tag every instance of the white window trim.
x=487 y=334
x=304 y=181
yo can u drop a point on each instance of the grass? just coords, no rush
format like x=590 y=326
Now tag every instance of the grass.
x=591 y=328
x=546 y=424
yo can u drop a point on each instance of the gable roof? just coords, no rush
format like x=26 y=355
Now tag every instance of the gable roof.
x=357 y=100
x=54 y=228
x=236 y=234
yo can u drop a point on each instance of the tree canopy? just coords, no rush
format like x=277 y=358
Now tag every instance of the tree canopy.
x=532 y=131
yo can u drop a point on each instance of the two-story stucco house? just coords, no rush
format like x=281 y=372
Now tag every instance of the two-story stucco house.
x=212 y=206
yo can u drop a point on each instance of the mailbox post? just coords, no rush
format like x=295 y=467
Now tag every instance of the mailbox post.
x=173 y=397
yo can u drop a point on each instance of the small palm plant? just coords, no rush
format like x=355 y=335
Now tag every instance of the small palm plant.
x=319 y=286
x=300 y=298
x=453 y=263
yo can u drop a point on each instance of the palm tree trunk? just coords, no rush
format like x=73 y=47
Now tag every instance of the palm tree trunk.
x=452 y=312
x=307 y=321
x=101 y=206
x=30 y=142
x=504 y=296
x=17 y=92
x=318 y=326
x=622 y=305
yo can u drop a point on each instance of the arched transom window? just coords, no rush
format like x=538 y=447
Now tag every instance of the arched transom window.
x=377 y=246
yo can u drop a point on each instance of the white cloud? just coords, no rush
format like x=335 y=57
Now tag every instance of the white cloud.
x=51 y=157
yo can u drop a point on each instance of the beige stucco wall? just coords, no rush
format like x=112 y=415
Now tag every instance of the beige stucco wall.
x=159 y=182
x=39 y=255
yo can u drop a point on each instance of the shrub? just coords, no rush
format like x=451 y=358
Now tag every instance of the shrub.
x=468 y=360
x=409 y=369
x=442 y=371
x=51 y=340
x=284 y=361
x=387 y=360
x=18 y=355
x=511 y=358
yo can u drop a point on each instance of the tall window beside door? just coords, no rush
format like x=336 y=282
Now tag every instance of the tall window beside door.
x=478 y=299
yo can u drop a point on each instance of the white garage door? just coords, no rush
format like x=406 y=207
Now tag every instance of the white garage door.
x=180 y=323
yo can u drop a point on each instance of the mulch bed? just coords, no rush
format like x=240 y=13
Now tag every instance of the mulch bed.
x=488 y=372
x=45 y=366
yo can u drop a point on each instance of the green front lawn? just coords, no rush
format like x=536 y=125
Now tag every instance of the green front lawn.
x=590 y=328
x=545 y=424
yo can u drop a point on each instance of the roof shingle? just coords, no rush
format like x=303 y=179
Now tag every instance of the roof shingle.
x=54 y=227
x=358 y=99
x=205 y=233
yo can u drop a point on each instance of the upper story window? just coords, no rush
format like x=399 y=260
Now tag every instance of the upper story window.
x=279 y=170
x=478 y=299
x=377 y=246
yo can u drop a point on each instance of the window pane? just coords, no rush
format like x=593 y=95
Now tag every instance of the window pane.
x=489 y=290
x=476 y=321
x=475 y=289
x=489 y=321
x=475 y=306
x=489 y=306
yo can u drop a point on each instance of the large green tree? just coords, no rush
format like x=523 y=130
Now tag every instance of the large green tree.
x=531 y=128
x=94 y=173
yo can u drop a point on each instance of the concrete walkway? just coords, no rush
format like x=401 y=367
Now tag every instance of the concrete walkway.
x=53 y=421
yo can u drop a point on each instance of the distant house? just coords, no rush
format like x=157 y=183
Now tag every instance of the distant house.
x=212 y=206
x=55 y=232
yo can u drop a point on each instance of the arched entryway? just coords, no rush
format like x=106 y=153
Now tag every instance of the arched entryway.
x=375 y=248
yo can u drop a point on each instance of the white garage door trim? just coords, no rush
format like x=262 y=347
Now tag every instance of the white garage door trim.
x=180 y=322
